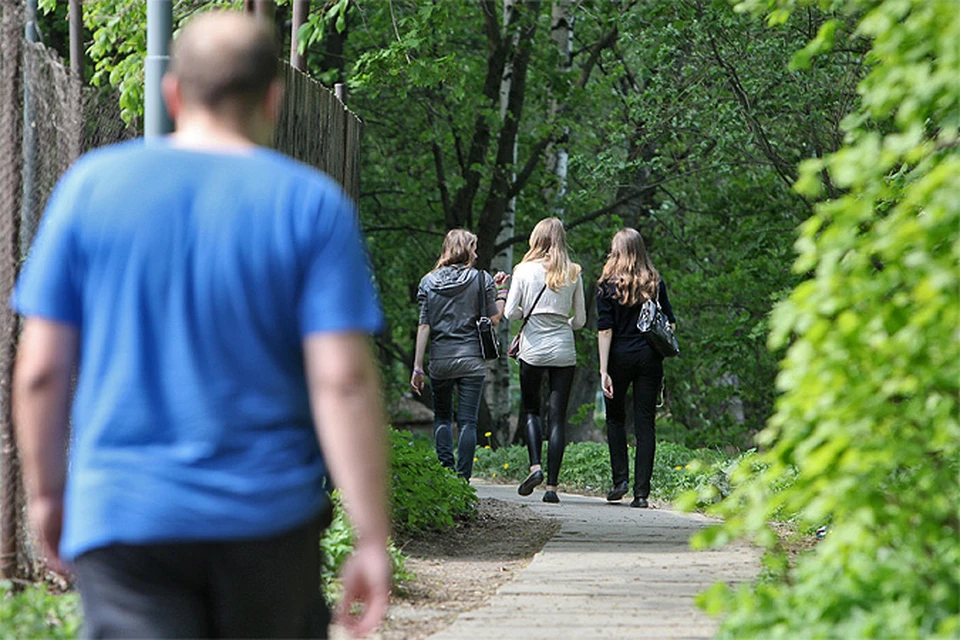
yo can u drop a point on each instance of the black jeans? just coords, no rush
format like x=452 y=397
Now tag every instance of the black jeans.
x=560 y=380
x=643 y=369
x=265 y=588
x=469 y=389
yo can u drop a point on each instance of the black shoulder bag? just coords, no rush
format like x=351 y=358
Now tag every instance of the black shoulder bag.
x=489 y=347
x=655 y=327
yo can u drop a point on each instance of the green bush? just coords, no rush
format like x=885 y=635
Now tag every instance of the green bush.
x=586 y=468
x=424 y=495
x=337 y=544
x=866 y=427
x=34 y=612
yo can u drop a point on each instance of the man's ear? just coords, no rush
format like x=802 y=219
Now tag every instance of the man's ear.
x=172 y=96
x=274 y=101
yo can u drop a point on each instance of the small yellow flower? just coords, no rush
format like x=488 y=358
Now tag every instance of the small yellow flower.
x=488 y=434
x=494 y=475
x=474 y=459
x=679 y=467
x=486 y=446
x=506 y=465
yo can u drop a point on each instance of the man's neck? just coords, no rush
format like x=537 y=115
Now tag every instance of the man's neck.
x=201 y=130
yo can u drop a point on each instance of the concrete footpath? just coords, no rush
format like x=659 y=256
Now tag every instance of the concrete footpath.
x=610 y=572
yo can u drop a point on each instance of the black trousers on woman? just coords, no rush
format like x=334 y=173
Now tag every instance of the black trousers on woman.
x=644 y=370
x=560 y=380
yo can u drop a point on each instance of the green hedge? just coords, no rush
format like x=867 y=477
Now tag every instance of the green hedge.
x=586 y=468
x=34 y=612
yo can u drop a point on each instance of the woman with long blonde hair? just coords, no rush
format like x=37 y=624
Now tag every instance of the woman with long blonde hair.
x=548 y=289
x=451 y=298
x=628 y=280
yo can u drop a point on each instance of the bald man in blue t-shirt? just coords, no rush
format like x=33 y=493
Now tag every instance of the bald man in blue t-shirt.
x=217 y=300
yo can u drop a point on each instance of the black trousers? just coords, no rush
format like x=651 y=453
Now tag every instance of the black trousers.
x=265 y=588
x=644 y=370
x=560 y=379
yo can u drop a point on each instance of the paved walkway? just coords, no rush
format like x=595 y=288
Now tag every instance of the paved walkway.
x=610 y=572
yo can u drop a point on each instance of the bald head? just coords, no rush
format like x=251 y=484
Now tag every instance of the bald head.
x=224 y=60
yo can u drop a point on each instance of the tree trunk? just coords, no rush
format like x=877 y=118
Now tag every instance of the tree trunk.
x=561 y=32
x=498 y=386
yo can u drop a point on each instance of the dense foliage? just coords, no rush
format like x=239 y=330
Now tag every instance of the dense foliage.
x=680 y=118
x=424 y=495
x=867 y=421
x=34 y=612
x=336 y=545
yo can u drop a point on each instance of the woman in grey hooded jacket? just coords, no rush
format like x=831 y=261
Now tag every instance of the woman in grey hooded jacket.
x=451 y=298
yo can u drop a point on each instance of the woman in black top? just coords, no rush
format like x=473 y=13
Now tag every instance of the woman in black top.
x=629 y=279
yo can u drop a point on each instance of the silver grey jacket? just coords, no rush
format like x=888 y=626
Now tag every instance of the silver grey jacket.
x=449 y=301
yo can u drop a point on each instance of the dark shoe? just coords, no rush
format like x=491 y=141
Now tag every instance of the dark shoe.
x=526 y=487
x=639 y=503
x=551 y=496
x=618 y=491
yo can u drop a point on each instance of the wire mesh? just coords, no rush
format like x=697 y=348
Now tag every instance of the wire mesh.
x=13 y=560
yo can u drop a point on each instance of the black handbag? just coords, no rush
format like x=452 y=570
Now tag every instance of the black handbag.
x=489 y=346
x=655 y=327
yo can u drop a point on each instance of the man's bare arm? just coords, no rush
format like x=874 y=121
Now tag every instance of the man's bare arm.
x=348 y=411
x=46 y=360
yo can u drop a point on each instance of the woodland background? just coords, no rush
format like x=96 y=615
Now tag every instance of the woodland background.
x=682 y=119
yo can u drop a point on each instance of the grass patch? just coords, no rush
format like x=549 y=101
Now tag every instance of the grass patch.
x=586 y=468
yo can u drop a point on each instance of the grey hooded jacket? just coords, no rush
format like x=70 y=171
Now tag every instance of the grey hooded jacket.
x=449 y=301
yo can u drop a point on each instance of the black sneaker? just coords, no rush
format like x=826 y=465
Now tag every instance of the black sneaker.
x=526 y=487
x=639 y=503
x=619 y=490
x=551 y=496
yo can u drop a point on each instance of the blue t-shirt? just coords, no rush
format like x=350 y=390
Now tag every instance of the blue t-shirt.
x=193 y=278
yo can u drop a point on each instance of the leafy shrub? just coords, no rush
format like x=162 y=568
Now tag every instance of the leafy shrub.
x=337 y=544
x=424 y=495
x=586 y=465
x=34 y=612
x=504 y=464
x=867 y=426
x=586 y=468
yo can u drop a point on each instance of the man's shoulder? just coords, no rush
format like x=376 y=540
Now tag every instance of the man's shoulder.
x=299 y=171
x=96 y=160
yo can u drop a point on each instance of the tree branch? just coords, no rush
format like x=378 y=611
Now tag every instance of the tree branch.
x=610 y=208
x=529 y=167
x=496 y=59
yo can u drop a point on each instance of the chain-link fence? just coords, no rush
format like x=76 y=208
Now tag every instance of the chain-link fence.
x=47 y=119
x=11 y=188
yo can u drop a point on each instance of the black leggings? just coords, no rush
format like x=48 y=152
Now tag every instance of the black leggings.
x=560 y=380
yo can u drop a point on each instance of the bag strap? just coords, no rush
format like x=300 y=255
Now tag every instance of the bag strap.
x=480 y=292
x=526 y=318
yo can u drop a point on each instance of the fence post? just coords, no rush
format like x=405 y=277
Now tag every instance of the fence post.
x=156 y=120
x=28 y=215
x=301 y=8
x=76 y=39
